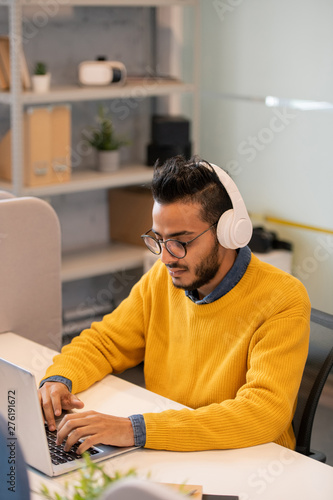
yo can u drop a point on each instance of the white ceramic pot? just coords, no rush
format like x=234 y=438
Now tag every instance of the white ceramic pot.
x=108 y=161
x=41 y=83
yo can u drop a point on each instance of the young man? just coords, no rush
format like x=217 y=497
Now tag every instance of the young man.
x=219 y=331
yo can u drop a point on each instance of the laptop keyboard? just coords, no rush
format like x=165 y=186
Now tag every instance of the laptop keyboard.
x=57 y=452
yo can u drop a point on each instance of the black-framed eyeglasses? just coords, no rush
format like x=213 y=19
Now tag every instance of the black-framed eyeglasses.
x=176 y=248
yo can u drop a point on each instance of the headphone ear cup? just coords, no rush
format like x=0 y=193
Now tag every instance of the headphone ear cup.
x=234 y=229
x=242 y=232
x=233 y=235
x=224 y=228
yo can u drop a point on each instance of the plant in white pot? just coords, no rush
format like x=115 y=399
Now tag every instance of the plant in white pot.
x=41 y=78
x=103 y=138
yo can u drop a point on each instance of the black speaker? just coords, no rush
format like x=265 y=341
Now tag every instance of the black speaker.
x=170 y=137
x=170 y=130
x=164 y=152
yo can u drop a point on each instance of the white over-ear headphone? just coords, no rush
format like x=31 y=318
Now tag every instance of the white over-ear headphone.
x=234 y=228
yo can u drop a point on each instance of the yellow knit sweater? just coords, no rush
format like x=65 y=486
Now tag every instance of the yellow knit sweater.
x=237 y=362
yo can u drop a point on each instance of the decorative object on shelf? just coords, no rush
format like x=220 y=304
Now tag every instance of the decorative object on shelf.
x=104 y=139
x=102 y=72
x=108 y=161
x=41 y=79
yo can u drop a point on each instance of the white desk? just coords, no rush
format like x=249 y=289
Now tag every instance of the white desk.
x=267 y=472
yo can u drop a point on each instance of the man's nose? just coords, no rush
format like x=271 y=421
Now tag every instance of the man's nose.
x=166 y=257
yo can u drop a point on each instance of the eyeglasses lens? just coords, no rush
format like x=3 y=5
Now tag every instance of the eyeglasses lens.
x=175 y=248
x=152 y=245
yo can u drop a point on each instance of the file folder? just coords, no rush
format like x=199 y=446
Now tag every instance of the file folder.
x=61 y=143
x=37 y=146
x=47 y=147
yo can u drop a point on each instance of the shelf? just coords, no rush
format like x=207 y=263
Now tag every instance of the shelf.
x=116 y=257
x=102 y=260
x=108 y=3
x=90 y=180
x=135 y=88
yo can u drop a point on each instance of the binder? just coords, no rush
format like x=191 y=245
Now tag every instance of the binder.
x=47 y=146
x=37 y=146
x=3 y=81
x=5 y=59
x=5 y=157
x=61 y=143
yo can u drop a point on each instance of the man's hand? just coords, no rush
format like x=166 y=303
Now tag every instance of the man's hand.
x=55 y=397
x=96 y=428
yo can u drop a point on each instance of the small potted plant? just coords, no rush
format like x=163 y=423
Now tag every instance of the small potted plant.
x=41 y=78
x=103 y=138
x=91 y=482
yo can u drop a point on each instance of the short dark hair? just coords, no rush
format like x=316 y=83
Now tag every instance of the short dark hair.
x=191 y=181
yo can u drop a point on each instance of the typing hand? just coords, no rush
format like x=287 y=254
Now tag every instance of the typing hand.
x=96 y=428
x=55 y=397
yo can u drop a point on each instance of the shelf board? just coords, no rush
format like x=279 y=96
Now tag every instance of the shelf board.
x=102 y=260
x=90 y=180
x=116 y=3
x=134 y=88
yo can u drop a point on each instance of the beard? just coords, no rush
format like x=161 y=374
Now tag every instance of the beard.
x=205 y=271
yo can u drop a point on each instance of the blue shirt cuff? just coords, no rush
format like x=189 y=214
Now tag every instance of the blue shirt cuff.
x=58 y=378
x=139 y=429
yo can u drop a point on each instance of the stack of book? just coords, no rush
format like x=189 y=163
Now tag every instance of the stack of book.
x=5 y=74
x=47 y=146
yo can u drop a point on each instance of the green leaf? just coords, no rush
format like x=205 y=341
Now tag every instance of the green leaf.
x=40 y=68
x=93 y=481
x=103 y=137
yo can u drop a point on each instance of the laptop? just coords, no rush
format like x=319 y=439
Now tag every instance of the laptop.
x=20 y=407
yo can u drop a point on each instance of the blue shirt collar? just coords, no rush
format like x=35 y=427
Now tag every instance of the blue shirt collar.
x=230 y=280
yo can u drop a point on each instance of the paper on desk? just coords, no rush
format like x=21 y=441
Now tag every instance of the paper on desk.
x=192 y=491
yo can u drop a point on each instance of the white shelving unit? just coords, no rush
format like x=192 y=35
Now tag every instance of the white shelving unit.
x=89 y=180
x=112 y=257
x=102 y=260
x=150 y=87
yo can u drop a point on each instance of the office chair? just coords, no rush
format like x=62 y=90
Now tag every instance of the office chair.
x=129 y=489
x=317 y=369
x=30 y=256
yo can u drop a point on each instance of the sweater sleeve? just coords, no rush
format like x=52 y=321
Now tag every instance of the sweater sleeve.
x=109 y=346
x=263 y=408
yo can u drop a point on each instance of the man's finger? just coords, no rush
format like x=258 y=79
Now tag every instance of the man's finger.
x=49 y=414
x=70 y=401
x=70 y=428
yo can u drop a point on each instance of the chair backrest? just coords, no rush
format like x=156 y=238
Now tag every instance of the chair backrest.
x=30 y=260
x=5 y=195
x=318 y=367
